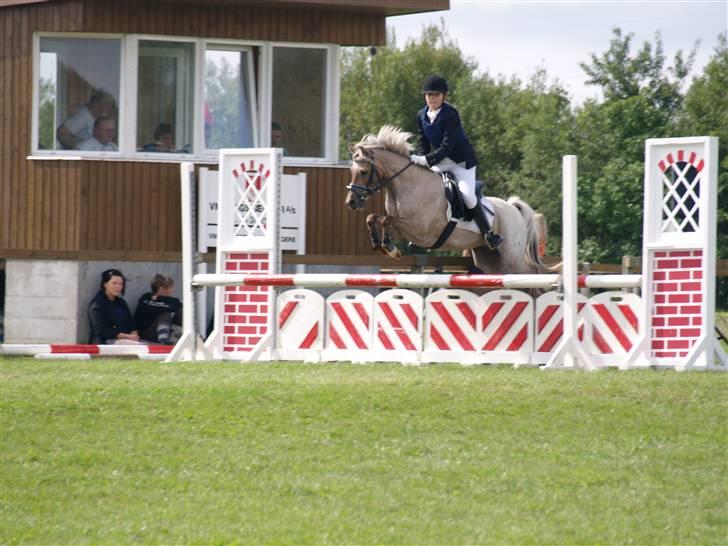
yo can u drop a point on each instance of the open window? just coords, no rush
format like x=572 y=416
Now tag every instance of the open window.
x=229 y=106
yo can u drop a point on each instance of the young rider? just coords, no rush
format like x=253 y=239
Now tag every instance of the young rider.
x=443 y=144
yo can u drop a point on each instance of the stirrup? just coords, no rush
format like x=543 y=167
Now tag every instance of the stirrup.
x=493 y=240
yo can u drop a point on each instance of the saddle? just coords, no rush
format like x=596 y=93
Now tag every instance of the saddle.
x=458 y=210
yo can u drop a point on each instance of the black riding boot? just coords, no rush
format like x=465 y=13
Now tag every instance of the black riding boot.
x=492 y=239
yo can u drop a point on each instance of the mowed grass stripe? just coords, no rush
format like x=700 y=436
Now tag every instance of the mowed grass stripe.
x=120 y=451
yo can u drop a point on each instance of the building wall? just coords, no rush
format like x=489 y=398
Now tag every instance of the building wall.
x=119 y=209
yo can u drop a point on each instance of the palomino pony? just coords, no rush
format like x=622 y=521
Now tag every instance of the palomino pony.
x=416 y=208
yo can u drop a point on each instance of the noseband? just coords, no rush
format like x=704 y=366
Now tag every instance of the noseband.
x=376 y=182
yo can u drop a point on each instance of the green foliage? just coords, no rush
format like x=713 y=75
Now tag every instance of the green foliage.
x=706 y=113
x=521 y=130
x=129 y=452
x=46 y=114
x=385 y=88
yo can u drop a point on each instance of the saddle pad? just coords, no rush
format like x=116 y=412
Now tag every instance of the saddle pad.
x=471 y=225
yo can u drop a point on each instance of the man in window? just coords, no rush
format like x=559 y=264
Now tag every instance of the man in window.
x=79 y=127
x=102 y=140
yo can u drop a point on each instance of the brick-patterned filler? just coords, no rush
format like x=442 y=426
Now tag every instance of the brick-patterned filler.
x=677 y=302
x=245 y=311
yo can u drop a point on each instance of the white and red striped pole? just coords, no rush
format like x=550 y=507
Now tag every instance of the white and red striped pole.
x=342 y=280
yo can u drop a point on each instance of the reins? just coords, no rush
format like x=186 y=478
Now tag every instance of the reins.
x=376 y=182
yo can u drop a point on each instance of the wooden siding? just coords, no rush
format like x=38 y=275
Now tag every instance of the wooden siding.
x=56 y=208
x=331 y=228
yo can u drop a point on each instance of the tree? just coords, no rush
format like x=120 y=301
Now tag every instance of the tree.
x=642 y=99
x=384 y=88
x=706 y=113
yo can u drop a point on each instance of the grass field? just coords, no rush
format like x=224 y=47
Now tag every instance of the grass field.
x=122 y=451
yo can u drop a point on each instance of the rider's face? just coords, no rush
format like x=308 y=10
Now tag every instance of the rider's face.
x=434 y=100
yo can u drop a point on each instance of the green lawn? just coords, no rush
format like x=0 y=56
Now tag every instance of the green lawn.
x=122 y=451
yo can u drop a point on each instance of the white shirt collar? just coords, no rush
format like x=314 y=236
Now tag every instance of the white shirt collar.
x=432 y=115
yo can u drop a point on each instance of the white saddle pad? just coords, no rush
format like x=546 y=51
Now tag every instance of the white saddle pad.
x=471 y=225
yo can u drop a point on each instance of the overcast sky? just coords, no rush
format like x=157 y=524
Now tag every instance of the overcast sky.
x=517 y=37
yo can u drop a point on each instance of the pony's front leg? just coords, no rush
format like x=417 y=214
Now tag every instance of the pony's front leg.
x=388 y=247
x=374 y=227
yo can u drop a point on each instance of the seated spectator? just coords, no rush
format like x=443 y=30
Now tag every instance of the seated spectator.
x=111 y=320
x=163 y=140
x=103 y=137
x=79 y=127
x=158 y=310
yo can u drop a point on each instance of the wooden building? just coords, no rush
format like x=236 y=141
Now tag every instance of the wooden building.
x=212 y=74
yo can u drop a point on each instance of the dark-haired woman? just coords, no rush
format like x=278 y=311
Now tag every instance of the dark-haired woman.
x=111 y=320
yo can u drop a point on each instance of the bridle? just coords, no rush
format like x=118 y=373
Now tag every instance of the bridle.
x=375 y=182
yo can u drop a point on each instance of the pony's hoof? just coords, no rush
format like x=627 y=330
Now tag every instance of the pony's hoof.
x=394 y=254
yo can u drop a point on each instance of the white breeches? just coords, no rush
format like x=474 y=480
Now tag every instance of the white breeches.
x=465 y=178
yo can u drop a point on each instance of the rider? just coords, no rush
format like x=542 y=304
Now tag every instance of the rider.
x=443 y=144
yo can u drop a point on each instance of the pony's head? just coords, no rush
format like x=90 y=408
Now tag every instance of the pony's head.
x=365 y=179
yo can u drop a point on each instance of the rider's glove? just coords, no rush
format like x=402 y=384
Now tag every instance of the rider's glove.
x=419 y=160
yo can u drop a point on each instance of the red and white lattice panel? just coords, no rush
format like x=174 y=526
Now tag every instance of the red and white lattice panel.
x=348 y=326
x=397 y=326
x=614 y=327
x=452 y=327
x=300 y=324
x=550 y=324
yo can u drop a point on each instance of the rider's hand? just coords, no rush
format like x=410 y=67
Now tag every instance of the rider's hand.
x=419 y=160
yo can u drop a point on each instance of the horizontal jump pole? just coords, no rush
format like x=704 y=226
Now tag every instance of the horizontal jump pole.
x=334 y=280
x=86 y=349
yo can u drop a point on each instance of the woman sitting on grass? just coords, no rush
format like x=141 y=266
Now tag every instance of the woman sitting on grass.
x=111 y=320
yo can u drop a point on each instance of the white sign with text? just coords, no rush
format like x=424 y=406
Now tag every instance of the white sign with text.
x=292 y=214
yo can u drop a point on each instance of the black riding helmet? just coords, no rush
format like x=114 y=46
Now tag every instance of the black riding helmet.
x=434 y=84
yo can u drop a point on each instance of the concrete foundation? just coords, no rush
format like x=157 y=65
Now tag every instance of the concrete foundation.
x=46 y=301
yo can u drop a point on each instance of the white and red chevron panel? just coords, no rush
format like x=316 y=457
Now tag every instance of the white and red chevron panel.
x=349 y=322
x=300 y=323
x=397 y=326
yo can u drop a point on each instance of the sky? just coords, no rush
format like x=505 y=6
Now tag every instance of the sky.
x=518 y=37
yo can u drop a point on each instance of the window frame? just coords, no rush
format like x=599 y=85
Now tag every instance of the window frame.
x=260 y=92
x=35 y=114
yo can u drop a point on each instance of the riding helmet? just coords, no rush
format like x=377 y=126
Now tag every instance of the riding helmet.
x=434 y=84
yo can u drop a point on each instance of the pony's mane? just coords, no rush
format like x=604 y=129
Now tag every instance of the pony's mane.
x=390 y=138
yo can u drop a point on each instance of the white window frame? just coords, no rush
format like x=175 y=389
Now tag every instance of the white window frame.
x=228 y=45
x=261 y=97
x=120 y=126
x=132 y=104
x=330 y=125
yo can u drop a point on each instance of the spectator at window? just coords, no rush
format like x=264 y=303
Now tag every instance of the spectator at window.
x=163 y=140
x=79 y=127
x=103 y=136
x=276 y=136
x=111 y=320
x=158 y=310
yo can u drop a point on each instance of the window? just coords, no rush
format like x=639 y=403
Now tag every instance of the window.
x=159 y=98
x=165 y=85
x=229 y=106
x=78 y=84
x=299 y=101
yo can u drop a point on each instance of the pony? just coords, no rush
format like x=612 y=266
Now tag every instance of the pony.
x=417 y=209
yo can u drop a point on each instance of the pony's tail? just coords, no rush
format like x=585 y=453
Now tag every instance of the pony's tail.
x=532 y=256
